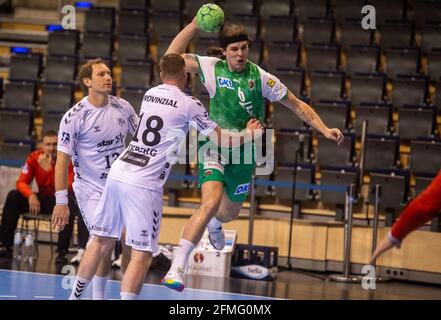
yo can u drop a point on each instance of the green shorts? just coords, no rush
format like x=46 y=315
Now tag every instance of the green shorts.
x=235 y=177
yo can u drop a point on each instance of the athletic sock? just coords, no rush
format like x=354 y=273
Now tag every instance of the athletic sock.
x=99 y=286
x=181 y=257
x=80 y=286
x=128 y=296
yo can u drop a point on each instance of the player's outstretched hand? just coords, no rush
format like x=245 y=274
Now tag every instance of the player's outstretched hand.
x=335 y=134
x=60 y=216
x=255 y=127
x=384 y=245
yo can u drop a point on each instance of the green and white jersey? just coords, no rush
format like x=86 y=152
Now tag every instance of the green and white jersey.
x=236 y=97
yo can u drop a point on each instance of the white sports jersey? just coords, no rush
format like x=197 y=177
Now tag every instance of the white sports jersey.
x=166 y=113
x=94 y=138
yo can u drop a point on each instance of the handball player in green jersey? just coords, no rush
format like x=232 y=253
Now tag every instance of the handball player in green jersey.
x=237 y=88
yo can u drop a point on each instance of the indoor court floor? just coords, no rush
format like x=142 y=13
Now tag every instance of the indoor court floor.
x=45 y=280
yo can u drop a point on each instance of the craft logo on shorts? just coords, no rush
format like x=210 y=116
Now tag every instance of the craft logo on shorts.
x=225 y=83
x=242 y=189
x=208 y=173
x=65 y=138
x=251 y=84
x=271 y=82
x=198 y=257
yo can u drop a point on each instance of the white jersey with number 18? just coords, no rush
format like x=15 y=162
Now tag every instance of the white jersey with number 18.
x=165 y=116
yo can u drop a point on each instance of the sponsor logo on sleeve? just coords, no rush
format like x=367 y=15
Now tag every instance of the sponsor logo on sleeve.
x=25 y=169
x=225 y=83
x=201 y=121
x=271 y=82
x=65 y=138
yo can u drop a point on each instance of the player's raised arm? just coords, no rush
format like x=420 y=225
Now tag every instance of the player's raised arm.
x=307 y=114
x=180 y=44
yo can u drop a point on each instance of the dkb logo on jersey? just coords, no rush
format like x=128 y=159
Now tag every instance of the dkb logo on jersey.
x=225 y=83
x=242 y=188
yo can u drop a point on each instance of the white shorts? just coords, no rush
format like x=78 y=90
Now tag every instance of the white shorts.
x=87 y=200
x=136 y=208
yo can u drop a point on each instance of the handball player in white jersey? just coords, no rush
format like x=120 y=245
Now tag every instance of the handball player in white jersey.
x=92 y=135
x=133 y=193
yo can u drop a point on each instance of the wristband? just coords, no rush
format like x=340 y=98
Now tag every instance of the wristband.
x=61 y=197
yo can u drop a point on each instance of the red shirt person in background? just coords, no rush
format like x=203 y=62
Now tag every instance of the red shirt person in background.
x=40 y=165
x=419 y=211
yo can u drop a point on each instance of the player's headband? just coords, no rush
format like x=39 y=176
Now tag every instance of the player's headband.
x=224 y=42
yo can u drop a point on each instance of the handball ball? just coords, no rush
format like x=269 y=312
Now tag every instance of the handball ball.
x=210 y=17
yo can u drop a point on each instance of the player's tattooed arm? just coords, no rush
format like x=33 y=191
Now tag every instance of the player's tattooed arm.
x=307 y=114
x=304 y=111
